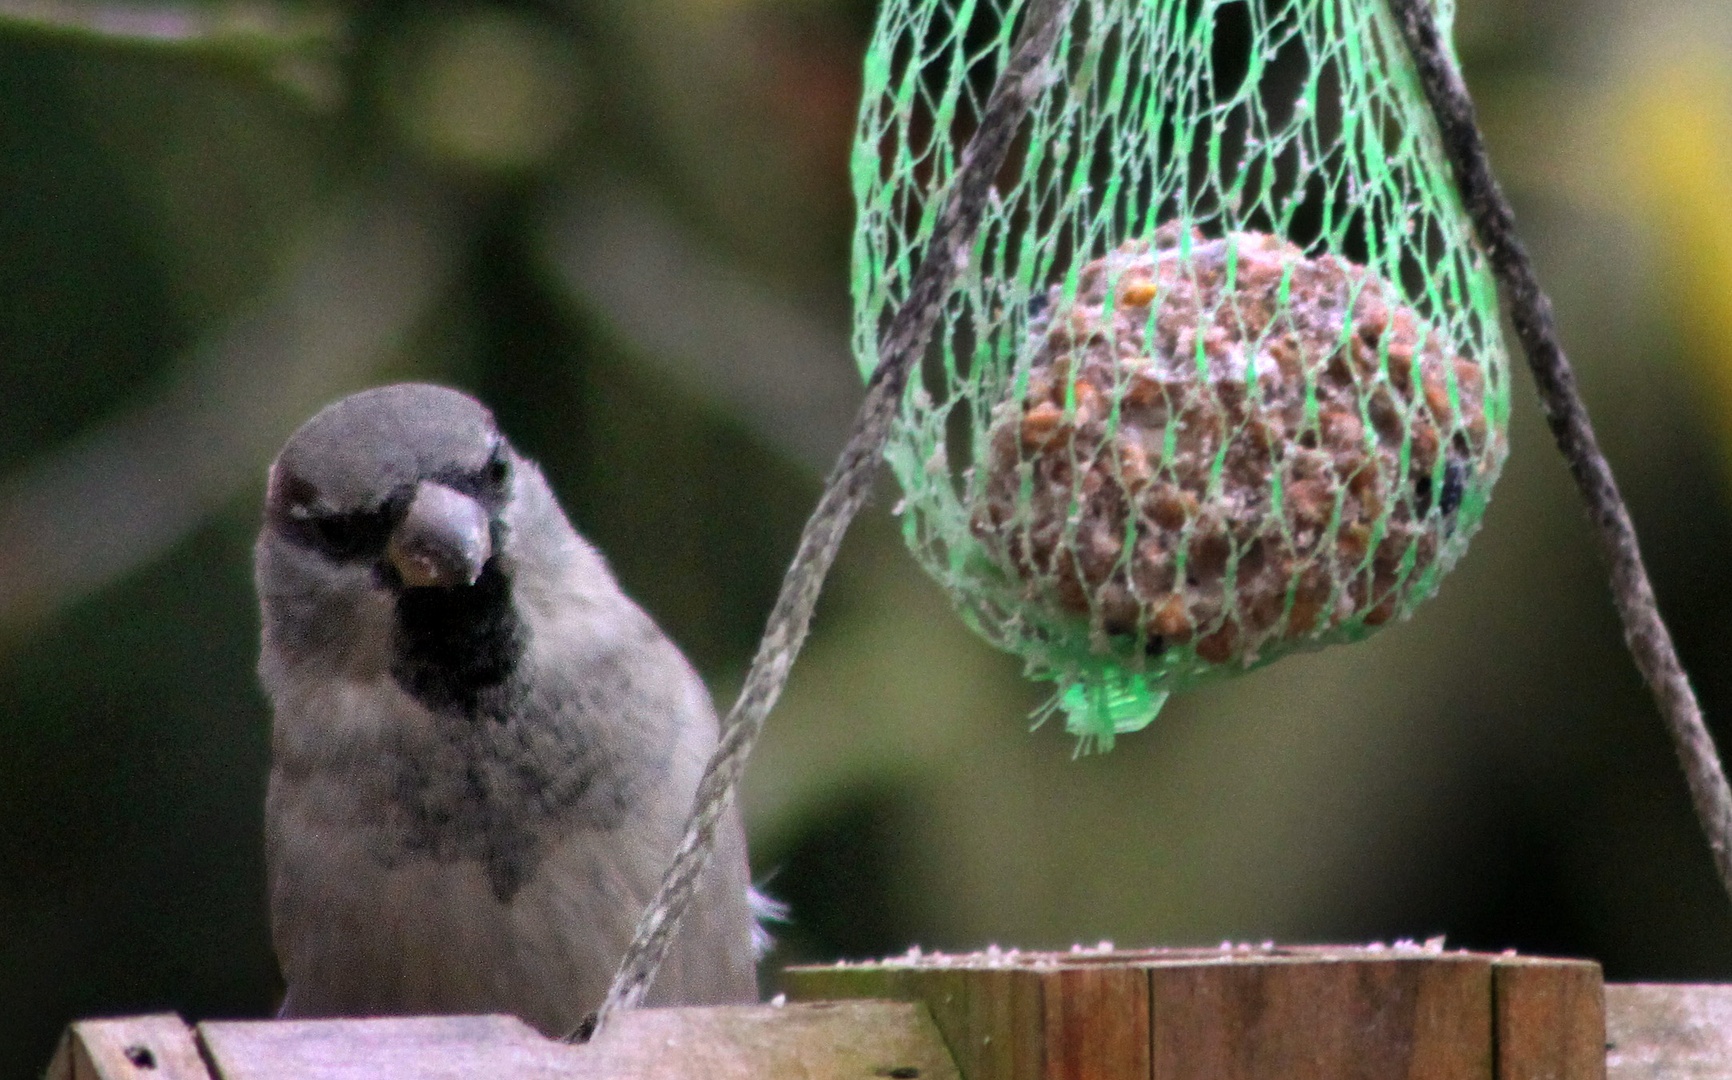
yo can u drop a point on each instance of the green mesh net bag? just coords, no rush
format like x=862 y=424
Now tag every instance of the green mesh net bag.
x=1223 y=377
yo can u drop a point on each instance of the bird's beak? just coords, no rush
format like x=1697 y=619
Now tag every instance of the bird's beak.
x=443 y=540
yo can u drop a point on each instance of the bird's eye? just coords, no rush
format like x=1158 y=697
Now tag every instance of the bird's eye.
x=339 y=535
x=498 y=471
x=358 y=534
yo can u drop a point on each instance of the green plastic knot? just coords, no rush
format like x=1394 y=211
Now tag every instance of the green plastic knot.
x=1107 y=703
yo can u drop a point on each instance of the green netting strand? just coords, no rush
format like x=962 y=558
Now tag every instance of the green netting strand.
x=1223 y=378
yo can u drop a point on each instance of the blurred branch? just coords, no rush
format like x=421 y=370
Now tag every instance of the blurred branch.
x=1645 y=632
x=292 y=44
x=790 y=375
x=121 y=495
x=236 y=27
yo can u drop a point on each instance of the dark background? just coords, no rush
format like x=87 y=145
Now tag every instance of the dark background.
x=626 y=226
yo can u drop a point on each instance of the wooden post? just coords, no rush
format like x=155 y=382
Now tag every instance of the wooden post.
x=158 y=1047
x=1668 y=1031
x=1551 y=1019
x=1246 y=1013
x=855 y=1040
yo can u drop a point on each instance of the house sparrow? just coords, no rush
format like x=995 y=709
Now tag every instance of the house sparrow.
x=483 y=754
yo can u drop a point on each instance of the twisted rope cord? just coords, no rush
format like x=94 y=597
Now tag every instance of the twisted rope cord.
x=1645 y=633
x=847 y=488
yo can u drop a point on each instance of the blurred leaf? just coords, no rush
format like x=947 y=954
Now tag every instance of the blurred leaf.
x=294 y=45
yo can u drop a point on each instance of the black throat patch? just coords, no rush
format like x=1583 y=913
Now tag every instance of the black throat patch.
x=456 y=648
x=456 y=652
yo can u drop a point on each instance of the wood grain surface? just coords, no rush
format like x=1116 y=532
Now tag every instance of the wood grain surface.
x=1235 y=1013
x=157 y=1047
x=1668 y=1031
x=855 y=1040
x=1405 y=1012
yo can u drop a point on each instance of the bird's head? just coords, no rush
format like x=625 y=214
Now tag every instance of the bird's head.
x=388 y=535
x=407 y=483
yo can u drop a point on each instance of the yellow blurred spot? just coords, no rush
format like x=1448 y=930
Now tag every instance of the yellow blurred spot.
x=1672 y=133
x=486 y=89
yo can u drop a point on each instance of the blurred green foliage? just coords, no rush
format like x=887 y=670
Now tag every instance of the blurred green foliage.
x=626 y=228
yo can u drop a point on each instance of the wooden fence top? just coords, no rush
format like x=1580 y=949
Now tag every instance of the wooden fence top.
x=1259 y=1013
x=1255 y=1012
x=1239 y=954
